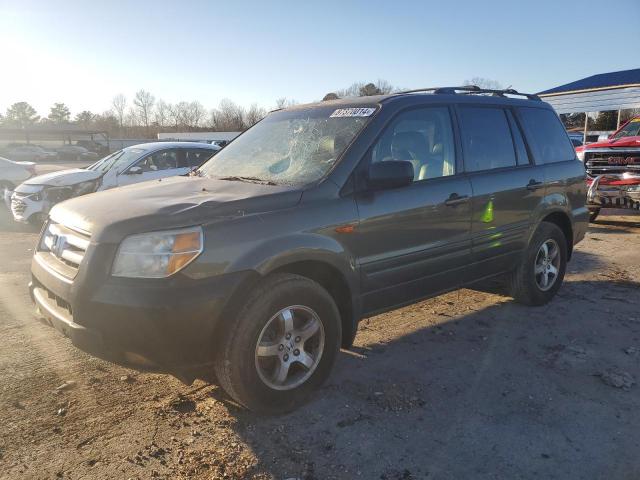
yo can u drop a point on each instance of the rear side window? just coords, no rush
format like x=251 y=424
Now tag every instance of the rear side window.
x=198 y=156
x=546 y=136
x=486 y=139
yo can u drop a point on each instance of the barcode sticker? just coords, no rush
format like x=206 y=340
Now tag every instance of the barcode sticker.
x=353 y=112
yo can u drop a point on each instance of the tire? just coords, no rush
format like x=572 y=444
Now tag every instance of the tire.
x=524 y=283
x=250 y=377
x=37 y=219
x=593 y=214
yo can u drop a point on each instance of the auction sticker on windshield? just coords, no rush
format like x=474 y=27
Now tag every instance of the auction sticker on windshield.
x=353 y=112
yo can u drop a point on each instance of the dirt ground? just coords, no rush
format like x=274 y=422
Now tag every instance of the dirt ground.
x=466 y=385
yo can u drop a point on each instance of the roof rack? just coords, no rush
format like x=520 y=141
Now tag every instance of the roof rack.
x=473 y=89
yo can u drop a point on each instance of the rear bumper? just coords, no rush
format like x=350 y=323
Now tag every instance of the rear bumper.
x=169 y=326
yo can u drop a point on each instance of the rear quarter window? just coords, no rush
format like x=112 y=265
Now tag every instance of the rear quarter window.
x=546 y=136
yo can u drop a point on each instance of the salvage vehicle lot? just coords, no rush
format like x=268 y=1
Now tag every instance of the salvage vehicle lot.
x=465 y=385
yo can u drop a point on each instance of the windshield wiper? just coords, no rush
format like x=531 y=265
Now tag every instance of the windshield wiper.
x=234 y=178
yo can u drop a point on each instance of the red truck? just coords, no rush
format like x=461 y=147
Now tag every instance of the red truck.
x=613 y=169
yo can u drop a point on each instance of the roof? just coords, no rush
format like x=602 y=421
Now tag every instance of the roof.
x=160 y=145
x=621 y=79
x=198 y=135
x=402 y=96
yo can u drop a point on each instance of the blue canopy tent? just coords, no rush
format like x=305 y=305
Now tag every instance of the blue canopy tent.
x=597 y=93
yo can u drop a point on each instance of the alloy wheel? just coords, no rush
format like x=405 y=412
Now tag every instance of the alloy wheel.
x=289 y=347
x=547 y=264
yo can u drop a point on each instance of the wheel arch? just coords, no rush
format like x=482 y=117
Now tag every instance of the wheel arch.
x=562 y=220
x=318 y=257
x=334 y=282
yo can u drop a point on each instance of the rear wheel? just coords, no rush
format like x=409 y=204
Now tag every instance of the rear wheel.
x=593 y=214
x=281 y=346
x=540 y=274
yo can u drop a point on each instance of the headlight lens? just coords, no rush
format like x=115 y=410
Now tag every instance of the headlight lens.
x=157 y=254
x=84 y=187
x=580 y=156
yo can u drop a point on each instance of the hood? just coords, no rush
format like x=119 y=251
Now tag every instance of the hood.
x=624 y=142
x=64 y=178
x=168 y=203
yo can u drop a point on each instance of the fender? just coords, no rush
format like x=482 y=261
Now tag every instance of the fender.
x=281 y=251
x=555 y=203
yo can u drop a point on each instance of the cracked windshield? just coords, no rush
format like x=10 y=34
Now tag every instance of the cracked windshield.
x=288 y=148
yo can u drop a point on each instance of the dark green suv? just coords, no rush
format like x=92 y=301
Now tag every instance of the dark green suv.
x=260 y=265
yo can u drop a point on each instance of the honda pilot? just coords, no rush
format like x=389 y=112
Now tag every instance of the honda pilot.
x=258 y=266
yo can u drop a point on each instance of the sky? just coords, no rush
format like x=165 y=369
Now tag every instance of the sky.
x=83 y=53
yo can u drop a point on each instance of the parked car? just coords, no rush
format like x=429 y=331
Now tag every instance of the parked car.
x=32 y=199
x=75 y=152
x=13 y=173
x=613 y=170
x=33 y=153
x=93 y=146
x=260 y=266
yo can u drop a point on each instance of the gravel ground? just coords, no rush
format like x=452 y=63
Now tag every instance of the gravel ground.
x=465 y=385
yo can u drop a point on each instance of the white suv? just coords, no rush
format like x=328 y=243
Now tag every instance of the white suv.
x=32 y=200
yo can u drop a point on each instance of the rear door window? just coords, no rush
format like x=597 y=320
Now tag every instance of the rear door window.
x=197 y=156
x=546 y=136
x=486 y=139
x=162 y=160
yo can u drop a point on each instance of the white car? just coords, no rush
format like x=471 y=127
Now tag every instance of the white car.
x=12 y=174
x=31 y=153
x=33 y=199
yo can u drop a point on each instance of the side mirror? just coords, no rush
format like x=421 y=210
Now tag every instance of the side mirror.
x=390 y=174
x=134 y=171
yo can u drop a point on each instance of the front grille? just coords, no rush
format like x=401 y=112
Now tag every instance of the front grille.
x=64 y=246
x=612 y=162
x=18 y=206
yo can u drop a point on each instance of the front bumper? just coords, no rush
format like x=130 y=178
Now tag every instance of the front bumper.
x=614 y=191
x=171 y=325
x=24 y=207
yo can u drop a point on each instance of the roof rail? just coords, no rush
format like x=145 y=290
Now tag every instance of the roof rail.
x=473 y=89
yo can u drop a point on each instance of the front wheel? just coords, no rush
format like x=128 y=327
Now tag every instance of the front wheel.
x=281 y=346
x=540 y=274
x=593 y=214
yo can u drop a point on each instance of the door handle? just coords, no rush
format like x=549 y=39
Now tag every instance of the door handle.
x=534 y=184
x=455 y=199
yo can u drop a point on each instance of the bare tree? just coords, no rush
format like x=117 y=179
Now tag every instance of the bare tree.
x=196 y=113
x=173 y=115
x=254 y=115
x=119 y=104
x=228 y=117
x=362 y=89
x=484 y=83
x=285 y=102
x=143 y=102
x=161 y=113
x=182 y=114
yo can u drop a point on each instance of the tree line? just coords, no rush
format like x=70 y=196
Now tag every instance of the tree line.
x=144 y=115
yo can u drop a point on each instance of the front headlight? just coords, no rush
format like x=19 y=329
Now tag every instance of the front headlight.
x=580 y=156
x=157 y=254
